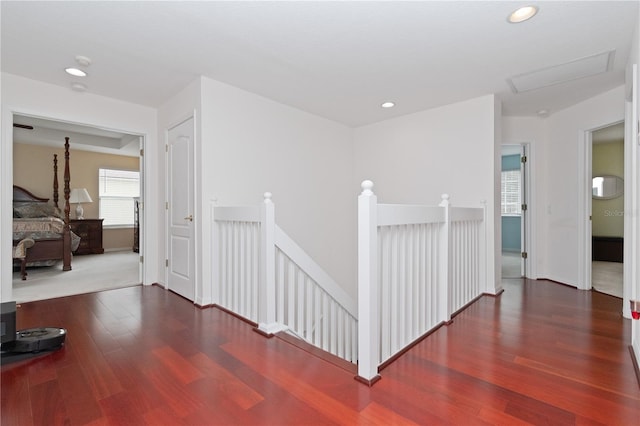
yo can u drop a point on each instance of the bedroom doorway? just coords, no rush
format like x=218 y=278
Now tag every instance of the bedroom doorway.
x=607 y=209
x=35 y=140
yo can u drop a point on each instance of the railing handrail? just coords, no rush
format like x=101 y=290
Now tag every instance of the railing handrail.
x=408 y=214
x=237 y=213
x=459 y=214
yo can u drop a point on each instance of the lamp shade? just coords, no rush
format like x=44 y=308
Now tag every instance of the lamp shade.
x=80 y=195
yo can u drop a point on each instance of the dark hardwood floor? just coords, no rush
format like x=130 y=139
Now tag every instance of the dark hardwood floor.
x=541 y=353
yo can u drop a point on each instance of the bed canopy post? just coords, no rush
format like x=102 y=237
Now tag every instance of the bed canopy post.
x=55 y=180
x=66 y=235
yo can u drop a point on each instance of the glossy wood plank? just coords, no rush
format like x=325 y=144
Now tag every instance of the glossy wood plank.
x=226 y=383
x=47 y=404
x=15 y=398
x=541 y=353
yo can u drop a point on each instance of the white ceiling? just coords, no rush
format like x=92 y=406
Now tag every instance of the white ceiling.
x=338 y=60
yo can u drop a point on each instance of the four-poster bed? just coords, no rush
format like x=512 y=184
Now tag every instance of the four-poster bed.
x=41 y=232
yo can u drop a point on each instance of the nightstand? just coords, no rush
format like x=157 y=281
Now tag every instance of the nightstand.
x=90 y=233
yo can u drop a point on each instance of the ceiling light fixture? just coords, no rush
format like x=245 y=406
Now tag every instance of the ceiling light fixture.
x=388 y=105
x=83 y=60
x=75 y=72
x=78 y=87
x=522 y=14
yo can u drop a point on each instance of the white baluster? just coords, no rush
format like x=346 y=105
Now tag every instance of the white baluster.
x=255 y=268
x=224 y=265
x=317 y=323
x=384 y=243
x=215 y=255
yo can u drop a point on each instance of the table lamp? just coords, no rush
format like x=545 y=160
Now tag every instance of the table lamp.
x=79 y=196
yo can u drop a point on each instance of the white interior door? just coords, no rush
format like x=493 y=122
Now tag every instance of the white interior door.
x=181 y=244
x=140 y=213
x=524 y=217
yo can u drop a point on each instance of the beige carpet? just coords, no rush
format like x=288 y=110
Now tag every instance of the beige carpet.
x=511 y=265
x=90 y=273
x=606 y=277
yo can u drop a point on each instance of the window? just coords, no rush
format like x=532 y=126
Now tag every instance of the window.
x=511 y=202
x=117 y=190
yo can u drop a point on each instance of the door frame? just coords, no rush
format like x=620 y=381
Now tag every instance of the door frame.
x=527 y=243
x=196 y=219
x=8 y=166
x=525 y=221
x=585 y=208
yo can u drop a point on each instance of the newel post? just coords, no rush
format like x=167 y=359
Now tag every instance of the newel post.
x=368 y=312
x=444 y=266
x=267 y=324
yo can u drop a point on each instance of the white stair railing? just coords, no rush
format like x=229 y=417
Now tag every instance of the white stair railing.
x=417 y=265
x=312 y=305
x=236 y=259
x=467 y=260
x=261 y=274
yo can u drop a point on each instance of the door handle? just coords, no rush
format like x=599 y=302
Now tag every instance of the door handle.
x=189 y=218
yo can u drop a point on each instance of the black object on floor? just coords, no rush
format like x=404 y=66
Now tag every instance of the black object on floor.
x=37 y=339
x=29 y=343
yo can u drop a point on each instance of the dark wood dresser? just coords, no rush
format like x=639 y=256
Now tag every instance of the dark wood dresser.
x=90 y=233
x=607 y=249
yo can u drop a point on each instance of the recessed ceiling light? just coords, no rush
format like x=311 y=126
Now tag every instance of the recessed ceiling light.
x=388 y=105
x=78 y=87
x=75 y=72
x=522 y=14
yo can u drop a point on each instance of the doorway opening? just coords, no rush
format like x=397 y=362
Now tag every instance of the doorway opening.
x=514 y=211
x=106 y=255
x=607 y=209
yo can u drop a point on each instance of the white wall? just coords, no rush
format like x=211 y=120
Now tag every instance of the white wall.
x=452 y=149
x=253 y=145
x=29 y=97
x=566 y=218
x=247 y=145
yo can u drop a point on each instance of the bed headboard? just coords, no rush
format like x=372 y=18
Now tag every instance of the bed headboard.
x=21 y=195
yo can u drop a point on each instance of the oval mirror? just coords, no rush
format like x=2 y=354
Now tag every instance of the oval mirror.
x=607 y=187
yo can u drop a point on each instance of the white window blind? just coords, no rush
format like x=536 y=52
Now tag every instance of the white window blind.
x=117 y=190
x=511 y=201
